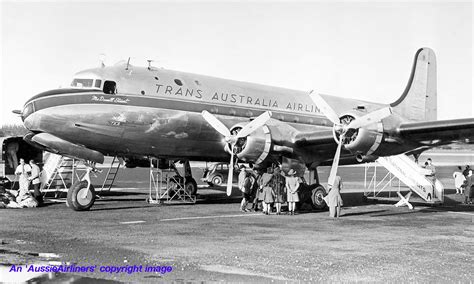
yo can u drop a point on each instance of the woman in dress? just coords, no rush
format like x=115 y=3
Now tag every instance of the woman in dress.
x=278 y=189
x=266 y=186
x=292 y=185
x=334 y=199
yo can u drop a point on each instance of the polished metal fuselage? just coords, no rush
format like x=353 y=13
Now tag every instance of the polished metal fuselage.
x=157 y=112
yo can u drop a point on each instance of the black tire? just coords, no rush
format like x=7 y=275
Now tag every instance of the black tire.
x=317 y=200
x=191 y=186
x=217 y=180
x=75 y=199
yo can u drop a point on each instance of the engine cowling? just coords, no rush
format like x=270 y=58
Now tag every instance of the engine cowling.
x=362 y=142
x=255 y=147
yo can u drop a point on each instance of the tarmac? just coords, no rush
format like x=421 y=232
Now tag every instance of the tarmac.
x=213 y=241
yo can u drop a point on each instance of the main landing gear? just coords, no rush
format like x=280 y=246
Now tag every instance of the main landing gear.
x=314 y=192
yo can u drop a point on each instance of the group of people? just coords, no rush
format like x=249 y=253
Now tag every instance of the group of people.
x=270 y=188
x=463 y=181
x=27 y=174
x=274 y=188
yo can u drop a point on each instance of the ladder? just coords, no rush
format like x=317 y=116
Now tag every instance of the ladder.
x=415 y=177
x=58 y=174
x=111 y=174
x=168 y=186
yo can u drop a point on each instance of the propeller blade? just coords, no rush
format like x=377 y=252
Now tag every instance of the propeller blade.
x=335 y=163
x=370 y=118
x=215 y=123
x=231 y=172
x=259 y=121
x=324 y=107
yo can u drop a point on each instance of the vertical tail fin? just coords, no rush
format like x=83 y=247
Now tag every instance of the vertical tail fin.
x=418 y=101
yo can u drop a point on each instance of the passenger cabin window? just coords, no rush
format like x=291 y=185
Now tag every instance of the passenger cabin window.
x=82 y=83
x=110 y=87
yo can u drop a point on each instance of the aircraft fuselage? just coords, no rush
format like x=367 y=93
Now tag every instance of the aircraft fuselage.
x=157 y=112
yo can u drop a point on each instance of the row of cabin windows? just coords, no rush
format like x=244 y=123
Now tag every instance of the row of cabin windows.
x=110 y=87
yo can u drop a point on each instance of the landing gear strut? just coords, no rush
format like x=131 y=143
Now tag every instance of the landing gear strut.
x=190 y=184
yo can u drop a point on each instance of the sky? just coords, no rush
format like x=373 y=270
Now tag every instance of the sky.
x=353 y=49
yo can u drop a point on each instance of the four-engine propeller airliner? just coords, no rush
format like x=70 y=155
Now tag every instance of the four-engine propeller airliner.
x=142 y=112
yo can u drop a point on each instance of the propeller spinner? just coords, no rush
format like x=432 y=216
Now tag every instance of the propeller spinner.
x=344 y=129
x=233 y=138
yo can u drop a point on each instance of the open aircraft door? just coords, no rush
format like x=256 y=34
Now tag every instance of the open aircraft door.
x=12 y=149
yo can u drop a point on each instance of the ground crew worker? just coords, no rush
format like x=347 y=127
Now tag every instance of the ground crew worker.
x=23 y=171
x=34 y=178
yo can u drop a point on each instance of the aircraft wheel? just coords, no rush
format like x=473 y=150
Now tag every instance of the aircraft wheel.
x=79 y=198
x=317 y=197
x=190 y=186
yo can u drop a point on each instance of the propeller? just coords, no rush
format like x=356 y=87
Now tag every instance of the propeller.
x=233 y=138
x=342 y=129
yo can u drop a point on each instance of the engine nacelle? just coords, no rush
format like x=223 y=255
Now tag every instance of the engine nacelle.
x=362 y=142
x=255 y=147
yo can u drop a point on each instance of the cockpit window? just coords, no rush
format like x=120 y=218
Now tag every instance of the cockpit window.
x=98 y=83
x=82 y=83
x=110 y=87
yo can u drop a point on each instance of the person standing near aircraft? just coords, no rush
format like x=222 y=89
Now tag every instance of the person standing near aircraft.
x=458 y=180
x=468 y=189
x=12 y=149
x=334 y=199
x=265 y=185
x=22 y=171
x=246 y=189
x=292 y=185
x=34 y=178
x=466 y=171
x=257 y=193
x=432 y=168
x=278 y=189
x=241 y=182
x=431 y=174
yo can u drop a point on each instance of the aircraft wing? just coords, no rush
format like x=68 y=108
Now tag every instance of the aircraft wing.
x=439 y=132
x=322 y=137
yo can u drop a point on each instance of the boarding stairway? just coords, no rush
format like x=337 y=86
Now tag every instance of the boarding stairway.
x=417 y=179
x=58 y=174
x=111 y=174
